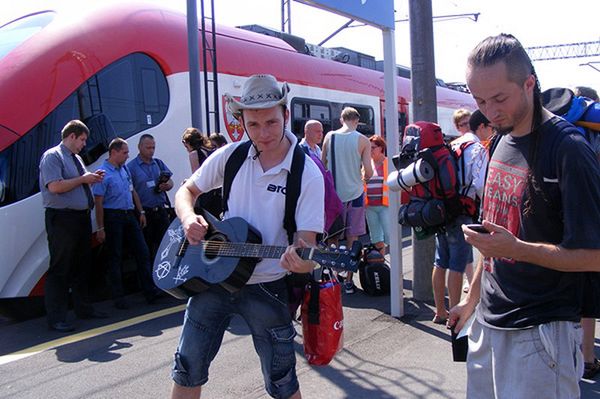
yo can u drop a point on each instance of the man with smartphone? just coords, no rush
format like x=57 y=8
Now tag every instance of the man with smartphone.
x=151 y=180
x=541 y=210
x=65 y=187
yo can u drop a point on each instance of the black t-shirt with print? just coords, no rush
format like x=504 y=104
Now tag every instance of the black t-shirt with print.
x=518 y=294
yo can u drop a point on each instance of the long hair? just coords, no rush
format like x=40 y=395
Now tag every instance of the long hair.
x=506 y=48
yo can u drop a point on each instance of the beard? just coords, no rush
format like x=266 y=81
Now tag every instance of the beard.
x=503 y=130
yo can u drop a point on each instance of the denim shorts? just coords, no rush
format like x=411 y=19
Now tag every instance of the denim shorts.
x=264 y=307
x=451 y=250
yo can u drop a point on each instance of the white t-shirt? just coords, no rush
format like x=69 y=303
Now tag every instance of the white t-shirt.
x=257 y=197
x=475 y=161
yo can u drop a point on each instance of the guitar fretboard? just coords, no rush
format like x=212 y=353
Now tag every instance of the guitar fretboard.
x=246 y=250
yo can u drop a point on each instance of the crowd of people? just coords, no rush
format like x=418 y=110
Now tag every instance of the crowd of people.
x=538 y=228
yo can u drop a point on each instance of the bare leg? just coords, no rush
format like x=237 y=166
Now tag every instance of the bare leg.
x=455 y=280
x=349 y=241
x=438 y=281
x=297 y=395
x=589 y=332
x=181 y=392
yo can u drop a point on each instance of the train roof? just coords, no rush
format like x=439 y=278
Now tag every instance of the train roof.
x=79 y=42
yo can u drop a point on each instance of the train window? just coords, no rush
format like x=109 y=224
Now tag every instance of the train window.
x=123 y=99
x=16 y=32
x=367 y=119
x=19 y=163
x=132 y=93
x=304 y=109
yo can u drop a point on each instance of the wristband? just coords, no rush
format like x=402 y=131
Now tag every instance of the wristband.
x=142 y=212
x=100 y=228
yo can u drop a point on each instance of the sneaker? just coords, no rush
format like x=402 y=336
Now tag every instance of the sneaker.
x=466 y=287
x=349 y=287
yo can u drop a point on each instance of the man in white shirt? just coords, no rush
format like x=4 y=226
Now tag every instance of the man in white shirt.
x=262 y=302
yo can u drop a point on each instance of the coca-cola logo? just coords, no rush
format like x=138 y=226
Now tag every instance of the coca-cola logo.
x=338 y=325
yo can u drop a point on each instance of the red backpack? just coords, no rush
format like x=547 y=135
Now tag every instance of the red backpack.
x=428 y=170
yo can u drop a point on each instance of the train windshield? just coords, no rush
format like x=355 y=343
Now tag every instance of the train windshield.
x=16 y=32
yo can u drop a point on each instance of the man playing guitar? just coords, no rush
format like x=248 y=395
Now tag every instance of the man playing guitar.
x=258 y=196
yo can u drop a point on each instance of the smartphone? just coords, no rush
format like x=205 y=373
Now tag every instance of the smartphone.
x=478 y=228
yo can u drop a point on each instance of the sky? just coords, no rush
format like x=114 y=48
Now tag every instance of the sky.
x=534 y=23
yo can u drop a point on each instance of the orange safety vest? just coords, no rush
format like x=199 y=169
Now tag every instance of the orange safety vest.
x=385 y=201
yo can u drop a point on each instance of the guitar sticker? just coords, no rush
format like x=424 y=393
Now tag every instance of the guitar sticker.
x=175 y=236
x=181 y=272
x=162 y=270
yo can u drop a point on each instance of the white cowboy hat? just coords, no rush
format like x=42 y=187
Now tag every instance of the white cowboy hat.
x=259 y=92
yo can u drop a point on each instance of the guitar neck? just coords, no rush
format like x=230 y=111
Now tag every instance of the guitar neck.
x=246 y=250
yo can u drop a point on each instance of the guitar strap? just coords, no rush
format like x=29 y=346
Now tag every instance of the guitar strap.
x=292 y=186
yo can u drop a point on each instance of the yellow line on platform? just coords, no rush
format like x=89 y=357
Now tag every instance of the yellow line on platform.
x=34 y=350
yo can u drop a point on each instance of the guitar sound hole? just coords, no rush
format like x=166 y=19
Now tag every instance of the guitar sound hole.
x=213 y=245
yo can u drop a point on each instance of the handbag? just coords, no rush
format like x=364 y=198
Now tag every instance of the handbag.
x=322 y=319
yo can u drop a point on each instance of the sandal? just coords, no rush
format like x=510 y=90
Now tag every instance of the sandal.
x=591 y=369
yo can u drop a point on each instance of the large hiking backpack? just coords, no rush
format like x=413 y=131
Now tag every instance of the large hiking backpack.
x=434 y=188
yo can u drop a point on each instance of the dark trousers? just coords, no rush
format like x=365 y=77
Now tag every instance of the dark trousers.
x=122 y=226
x=69 y=240
x=157 y=223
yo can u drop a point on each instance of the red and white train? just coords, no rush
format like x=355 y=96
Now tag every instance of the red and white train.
x=123 y=70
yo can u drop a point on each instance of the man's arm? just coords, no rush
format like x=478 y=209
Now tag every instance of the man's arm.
x=365 y=154
x=63 y=186
x=194 y=226
x=98 y=201
x=138 y=206
x=501 y=243
x=325 y=149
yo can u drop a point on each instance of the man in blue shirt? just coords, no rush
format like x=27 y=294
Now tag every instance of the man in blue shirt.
x=151 y=181
x=115 y=199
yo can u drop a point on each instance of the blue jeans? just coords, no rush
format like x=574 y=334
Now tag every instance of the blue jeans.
x=121 y=226
x=378 y=220
x=264 y=307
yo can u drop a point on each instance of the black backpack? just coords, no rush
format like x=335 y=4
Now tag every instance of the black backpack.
x=374 y=272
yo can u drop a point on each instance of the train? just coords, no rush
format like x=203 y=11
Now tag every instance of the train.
x=123 y=70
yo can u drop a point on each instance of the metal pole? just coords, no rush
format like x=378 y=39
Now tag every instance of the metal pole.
x=194 y=64
x=424 y=108
x=391 y=132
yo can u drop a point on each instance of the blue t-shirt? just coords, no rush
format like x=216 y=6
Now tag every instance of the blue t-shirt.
x=145 y=179
x=116 y=188
x=518 y=294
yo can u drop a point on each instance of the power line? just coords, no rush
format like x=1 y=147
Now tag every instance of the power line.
x=563 y=51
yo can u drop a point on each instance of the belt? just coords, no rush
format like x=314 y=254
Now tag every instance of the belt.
x=121 y=211
x=154 y=209
x=67 y=210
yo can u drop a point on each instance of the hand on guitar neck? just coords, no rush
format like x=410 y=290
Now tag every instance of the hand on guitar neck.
x=291 y=260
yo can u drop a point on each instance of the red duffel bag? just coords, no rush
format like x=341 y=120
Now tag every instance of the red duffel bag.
x=322 y=320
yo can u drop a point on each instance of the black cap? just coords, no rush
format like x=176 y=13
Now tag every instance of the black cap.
x=557 y=100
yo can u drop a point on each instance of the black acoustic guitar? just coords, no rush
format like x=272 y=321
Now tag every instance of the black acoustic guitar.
x=227 y=257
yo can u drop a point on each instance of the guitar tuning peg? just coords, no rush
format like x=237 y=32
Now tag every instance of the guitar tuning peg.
x=332 y=246
x=342 y=247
